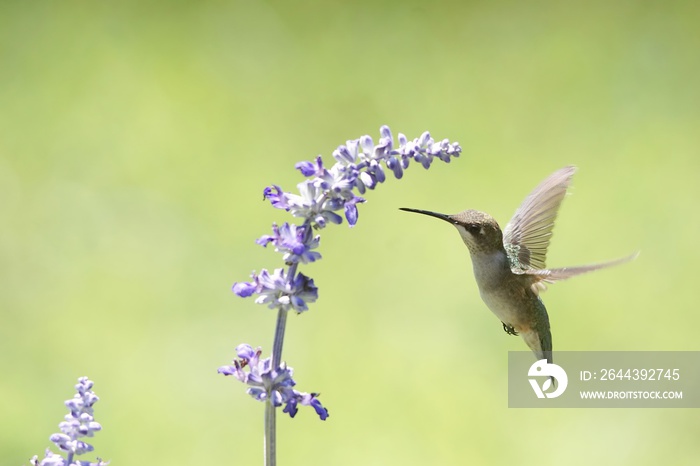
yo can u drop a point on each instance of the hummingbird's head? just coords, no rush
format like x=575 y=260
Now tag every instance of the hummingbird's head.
x=479 y=231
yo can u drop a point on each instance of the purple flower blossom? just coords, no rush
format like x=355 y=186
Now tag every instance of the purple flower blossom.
x=276 y=197
x=50 y=459
x=312 y=203
x=296 y=242
x=79 y=423
x=305 y=399
x=279 y=291
x=270 y=384
x=244 y=289
x=312 y=168
x=54 y=459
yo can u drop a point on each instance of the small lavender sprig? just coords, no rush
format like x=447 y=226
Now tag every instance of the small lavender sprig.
x=78 y=423
x=325 y=192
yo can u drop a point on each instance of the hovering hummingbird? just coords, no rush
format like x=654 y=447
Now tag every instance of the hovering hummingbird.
x=509 y=266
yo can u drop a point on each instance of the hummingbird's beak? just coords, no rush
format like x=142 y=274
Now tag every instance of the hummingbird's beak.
x=444 y=217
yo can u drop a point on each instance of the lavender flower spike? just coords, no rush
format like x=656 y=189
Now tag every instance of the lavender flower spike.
x=359 y=165
x=79 y=423
x=270 y=384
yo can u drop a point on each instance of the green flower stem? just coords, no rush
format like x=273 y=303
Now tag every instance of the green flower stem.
x=270 y=411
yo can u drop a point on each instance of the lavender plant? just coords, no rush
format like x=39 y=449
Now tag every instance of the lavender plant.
x=78 y=423
x=359 y=165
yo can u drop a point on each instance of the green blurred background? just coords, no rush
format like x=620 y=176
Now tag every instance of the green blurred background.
x=136 y=139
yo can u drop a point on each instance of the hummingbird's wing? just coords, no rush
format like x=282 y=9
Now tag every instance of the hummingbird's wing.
x=555 y=275
x=527 y=235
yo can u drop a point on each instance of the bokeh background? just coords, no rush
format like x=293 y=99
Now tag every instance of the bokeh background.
x=136 y=139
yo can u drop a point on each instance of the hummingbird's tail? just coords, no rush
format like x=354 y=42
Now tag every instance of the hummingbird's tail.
x=540 y=342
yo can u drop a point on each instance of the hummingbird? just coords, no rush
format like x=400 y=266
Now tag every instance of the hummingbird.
x=509 y=265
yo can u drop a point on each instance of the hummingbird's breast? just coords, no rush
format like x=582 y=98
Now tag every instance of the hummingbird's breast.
x=506 y=294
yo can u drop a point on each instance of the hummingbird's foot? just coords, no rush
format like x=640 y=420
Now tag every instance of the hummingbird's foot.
x=509 y=329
